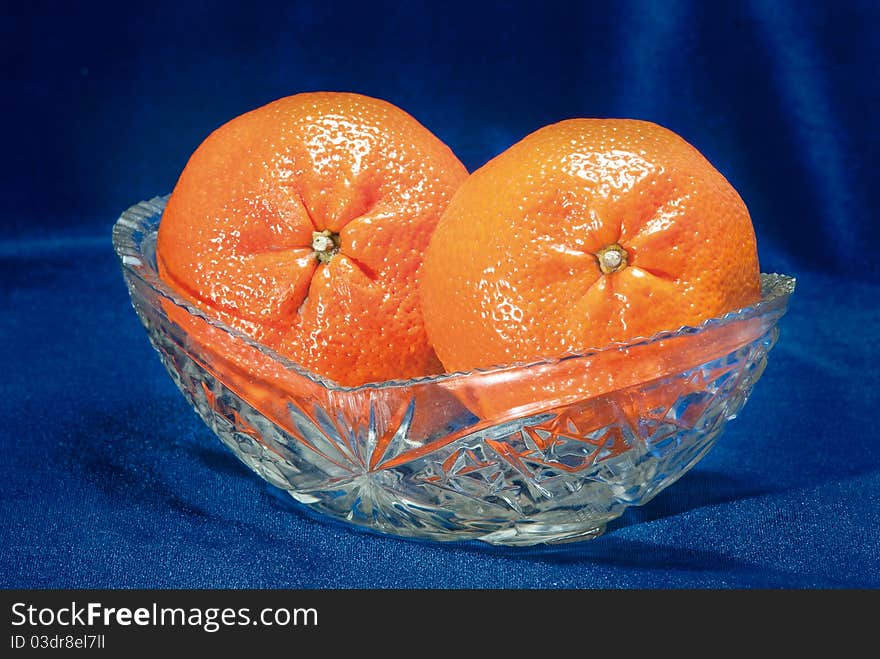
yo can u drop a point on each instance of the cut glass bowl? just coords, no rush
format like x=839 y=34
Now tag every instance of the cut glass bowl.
x=523 y=454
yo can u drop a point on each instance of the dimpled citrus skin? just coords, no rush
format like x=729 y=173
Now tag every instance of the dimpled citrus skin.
x=512 y=272
x=237 y=236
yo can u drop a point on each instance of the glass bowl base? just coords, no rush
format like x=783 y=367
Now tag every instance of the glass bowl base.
x=527 y=535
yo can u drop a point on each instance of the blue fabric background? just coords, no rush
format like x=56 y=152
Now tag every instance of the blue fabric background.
x=109 y=480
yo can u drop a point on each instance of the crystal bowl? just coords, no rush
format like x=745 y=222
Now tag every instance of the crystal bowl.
x=519 y=454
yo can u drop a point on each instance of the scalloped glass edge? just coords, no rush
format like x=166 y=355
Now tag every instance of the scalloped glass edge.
x=138 y=224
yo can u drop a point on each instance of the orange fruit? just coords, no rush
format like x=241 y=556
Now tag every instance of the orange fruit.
x=585 y=233
x=303 y=225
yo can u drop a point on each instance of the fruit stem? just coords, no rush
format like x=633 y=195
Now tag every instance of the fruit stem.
x=612 y=258
x=326 y=244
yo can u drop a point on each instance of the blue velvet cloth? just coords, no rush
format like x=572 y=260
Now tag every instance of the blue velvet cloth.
x=109 y=480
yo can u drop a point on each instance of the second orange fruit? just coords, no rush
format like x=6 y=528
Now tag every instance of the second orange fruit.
x=585 y=233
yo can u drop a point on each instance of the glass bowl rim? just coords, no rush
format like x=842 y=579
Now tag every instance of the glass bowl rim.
x=144 y=216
